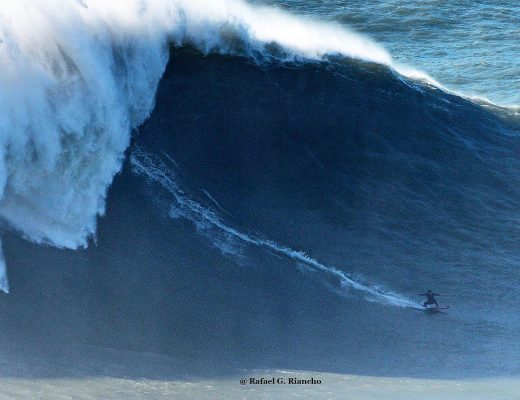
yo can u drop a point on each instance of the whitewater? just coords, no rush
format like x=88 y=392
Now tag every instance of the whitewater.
x=78 y=76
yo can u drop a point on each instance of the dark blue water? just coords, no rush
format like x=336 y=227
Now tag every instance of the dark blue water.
x=400 y=187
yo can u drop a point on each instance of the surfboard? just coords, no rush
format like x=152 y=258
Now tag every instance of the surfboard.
x=432 y=309
x=436 y=309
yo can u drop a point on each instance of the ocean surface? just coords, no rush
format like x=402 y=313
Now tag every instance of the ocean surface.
x=470 y=47
x=194 y=192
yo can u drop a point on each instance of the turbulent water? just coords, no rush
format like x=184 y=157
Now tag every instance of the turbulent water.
x=233 y=183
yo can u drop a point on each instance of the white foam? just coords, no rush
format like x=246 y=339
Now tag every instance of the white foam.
x=74 y=80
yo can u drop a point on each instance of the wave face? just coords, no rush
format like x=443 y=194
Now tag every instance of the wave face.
x=273 y=188
x=404 y=178
x=387 y=186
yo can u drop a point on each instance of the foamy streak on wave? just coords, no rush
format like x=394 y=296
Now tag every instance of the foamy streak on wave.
x=4 y=284
x=155 y=170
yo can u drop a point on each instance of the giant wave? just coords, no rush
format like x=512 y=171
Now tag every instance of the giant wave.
x=78 y=76
x=266 y=170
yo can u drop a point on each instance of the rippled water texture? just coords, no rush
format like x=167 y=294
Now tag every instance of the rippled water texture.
x=471 y=47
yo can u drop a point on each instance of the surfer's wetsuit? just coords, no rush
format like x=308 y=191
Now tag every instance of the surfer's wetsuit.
x=429 y=298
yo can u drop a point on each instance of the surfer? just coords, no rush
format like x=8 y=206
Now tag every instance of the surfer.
x=430 y=299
